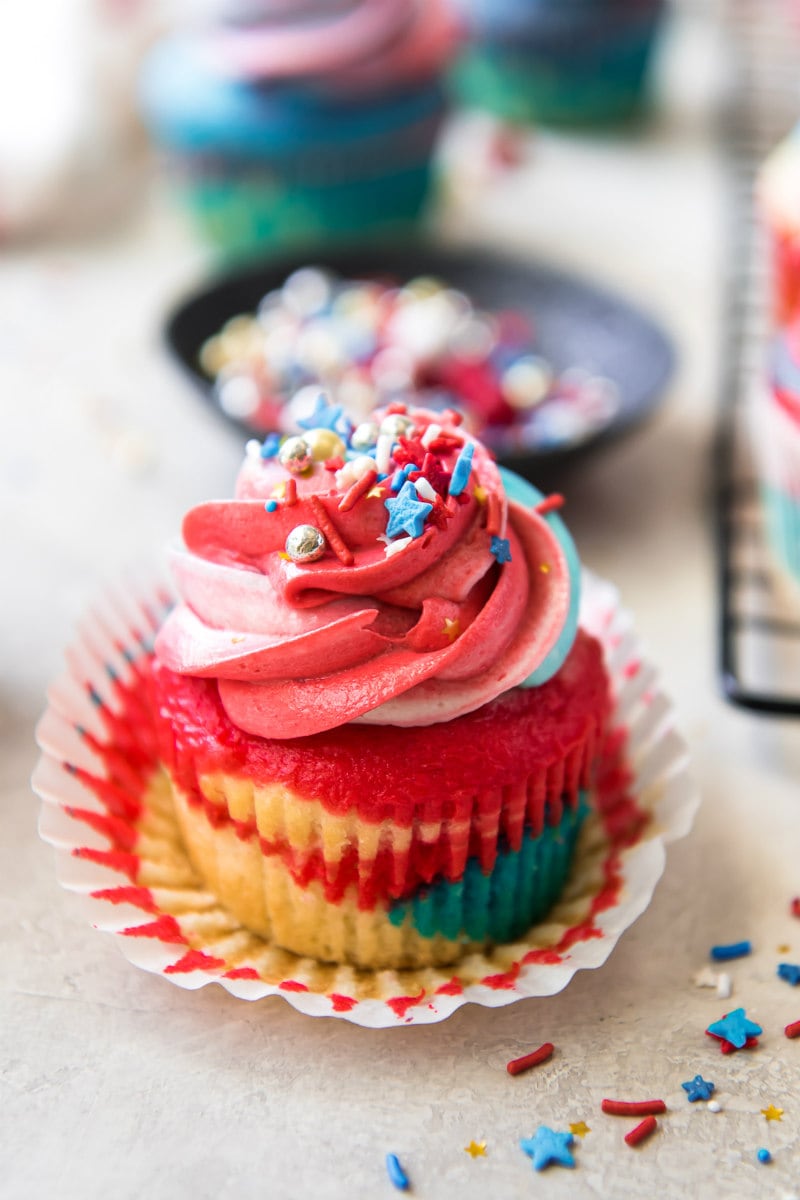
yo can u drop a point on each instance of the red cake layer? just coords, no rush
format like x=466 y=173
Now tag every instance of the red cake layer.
x=386 y=772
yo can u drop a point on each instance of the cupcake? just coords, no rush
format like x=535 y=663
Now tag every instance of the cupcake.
x=779 y=200
x=287 y=127
x=777 y=438
x=379 y=719
x=556 y=61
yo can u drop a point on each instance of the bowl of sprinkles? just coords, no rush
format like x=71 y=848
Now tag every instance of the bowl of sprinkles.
x=537 y=364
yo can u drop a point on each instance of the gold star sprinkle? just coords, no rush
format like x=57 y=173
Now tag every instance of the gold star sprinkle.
x=784 y=949
x=772 y=1113
x=544 y=568
x=579 y=1129
x=476 y=1149
x=279 y=491
x=238 y=638
x=283 y=554
x=375 y=493
x=480 y=494
x=452 y=628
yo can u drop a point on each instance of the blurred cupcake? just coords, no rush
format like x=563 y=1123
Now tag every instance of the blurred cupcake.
x=559 y=61
x=777 y=436
x=779 y=198
x=296 y=124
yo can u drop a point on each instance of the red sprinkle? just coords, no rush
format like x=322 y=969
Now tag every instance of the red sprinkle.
x=357 y=490
x=795 y=907
x=290 y=492
x=451 y=417
x=641 y=1131
x=396 y=407
x=518 y=1065
x=793 y=1030
x=549 y=504
x=492 y=514
x=334 y=464
x=335 y=540
x=633 y=1108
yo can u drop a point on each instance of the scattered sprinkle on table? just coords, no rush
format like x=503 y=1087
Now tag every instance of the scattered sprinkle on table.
x=517 y=1065
x=724 y=986
x=714 y=1106
x=794 y=907
x=548 y=1147
x=763 y=1155
x=633 y=1108
x=396 y=1173
x=735 y=1029
x=579 y=1129
x=698 y=1089
x=733 y=950
x=792 y=1030
x=789 y=972
x=705 y=977
x=641 y=1131
x=476 y=1149
x=772 y=1113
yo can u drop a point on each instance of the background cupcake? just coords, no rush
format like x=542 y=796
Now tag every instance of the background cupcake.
x=777 y=437
x=779 y=199
x=560 y=61
x=289 y=126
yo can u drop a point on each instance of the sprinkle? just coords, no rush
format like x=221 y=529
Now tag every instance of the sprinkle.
x=734 y=950
x=452 y=629
x=357 y=490
x=396 y=546
x=406 y=512
x=705 y=977
x=383 y=452
x=290 y=493
x=480 y=493
x=396 y=1173
x=544 y=568
x=252 y=448
x=549 y=504
x=279 y=491
x=579 y=1129
x=270 y=446
x=324 y=416
x=724 y=986
x=548 y=1146
x=517 y=1065
x=335 y=540
x=735 y=1029
x=271 y=505
x=334 y=464
x=430 y=434
x=476 y=1149
x=632 y=1108
x=790 y=973
x=714 y=1106
x=500 y=549
x=794 y=907
x=792 y=1030
x=698 y=1089
x=784 y=949
x=772 y=1113
x=492 y=512
x=763 y=1155
x=424 y=489
x=641 y=1131
x=452 y=417
x=375 y=493
x=462 y=469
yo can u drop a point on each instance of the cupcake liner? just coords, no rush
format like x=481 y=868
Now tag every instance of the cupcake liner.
x=776 y=436
x=107 y=810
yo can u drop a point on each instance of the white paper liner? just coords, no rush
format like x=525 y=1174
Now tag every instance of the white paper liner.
x=140 y=886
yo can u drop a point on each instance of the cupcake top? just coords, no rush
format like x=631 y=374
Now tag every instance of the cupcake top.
x=779 y=185
x=784 y=369
x=387 y=573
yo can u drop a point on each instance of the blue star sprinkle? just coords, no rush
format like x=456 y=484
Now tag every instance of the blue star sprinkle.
x=328 y=416
x=790 y=973
x=461 y=471
x=548 y=1146
x=698 y=1089
x=407 y=513
x=735 y=1028
x=270 y=446
x=501 y=549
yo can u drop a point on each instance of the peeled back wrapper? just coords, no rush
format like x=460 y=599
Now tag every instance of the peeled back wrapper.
x=107 y=809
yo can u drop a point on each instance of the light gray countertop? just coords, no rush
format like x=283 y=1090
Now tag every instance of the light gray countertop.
x=113 y=1082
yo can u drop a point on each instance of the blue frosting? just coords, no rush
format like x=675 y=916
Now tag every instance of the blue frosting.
x=524 y=493
x=194 y=109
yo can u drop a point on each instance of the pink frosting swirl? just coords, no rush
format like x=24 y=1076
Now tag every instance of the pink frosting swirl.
x=369 y=632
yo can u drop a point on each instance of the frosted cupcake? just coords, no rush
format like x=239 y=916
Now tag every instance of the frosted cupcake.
x=777 y=437
x=779 y=199
x=557 y=61
x=289 y=126
x=380 y=721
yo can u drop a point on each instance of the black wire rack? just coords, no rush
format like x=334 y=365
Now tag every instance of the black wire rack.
x=759 y=606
